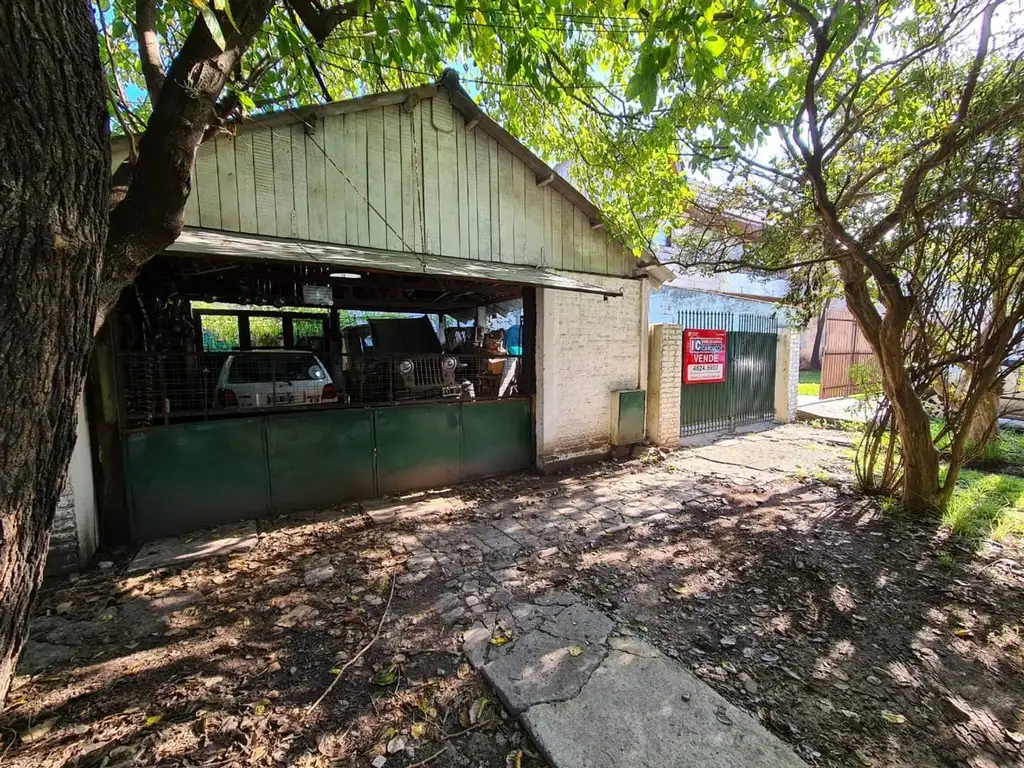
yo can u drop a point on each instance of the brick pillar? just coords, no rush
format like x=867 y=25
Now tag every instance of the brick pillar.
x=664 y=382
x=787 y=374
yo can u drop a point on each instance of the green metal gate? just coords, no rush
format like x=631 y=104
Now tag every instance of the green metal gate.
x=186 y=476
x=747 y=396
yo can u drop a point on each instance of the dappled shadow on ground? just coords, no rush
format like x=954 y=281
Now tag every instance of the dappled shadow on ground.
x=857 y=639
x=860 y=640
x=219 y=662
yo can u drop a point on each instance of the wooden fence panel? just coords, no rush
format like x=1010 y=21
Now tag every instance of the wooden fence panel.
x=844 y=346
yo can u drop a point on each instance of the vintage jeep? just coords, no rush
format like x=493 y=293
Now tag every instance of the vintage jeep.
x=400 y=359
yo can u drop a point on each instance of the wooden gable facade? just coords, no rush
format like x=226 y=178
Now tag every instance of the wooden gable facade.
x=414 y=171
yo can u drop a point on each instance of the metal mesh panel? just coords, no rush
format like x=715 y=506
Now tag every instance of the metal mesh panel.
x=175 y=387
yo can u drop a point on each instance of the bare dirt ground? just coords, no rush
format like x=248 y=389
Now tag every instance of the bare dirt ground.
x=857 y=638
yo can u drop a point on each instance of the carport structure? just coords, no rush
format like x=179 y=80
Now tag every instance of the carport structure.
x=319 y=242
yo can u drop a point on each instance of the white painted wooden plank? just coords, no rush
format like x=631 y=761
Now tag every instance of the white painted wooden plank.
x=191 y=211
x=625 y=262
x=600 y=239
x=375 y=180
x=393 y=177
x=227 y=183
x=579 y=240
x=568 y=246
x=208 y=186
x=494 y=199
x=284 y=189
x=263 y=173
x=484 y=224
x=337 y=189
x=431 y=200
x=555 y=228
x=316 y=181
x=117 y=156
x=534 y=219
x=519 y=209
x=359 y=221
x=412 y=180
x=300 y=220
x=246 y=183
x=546 y=202
x=472 y=233
x=463 y=181
x=448 y=177
x=507 y=206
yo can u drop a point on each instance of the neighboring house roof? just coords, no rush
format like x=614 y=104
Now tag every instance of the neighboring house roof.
x=475 y=117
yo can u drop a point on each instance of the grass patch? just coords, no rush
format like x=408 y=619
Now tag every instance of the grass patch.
x=809 y=383
x=986 y=506
x=1007 y=448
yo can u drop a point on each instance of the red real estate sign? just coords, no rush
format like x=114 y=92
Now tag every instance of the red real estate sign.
x=703 y=357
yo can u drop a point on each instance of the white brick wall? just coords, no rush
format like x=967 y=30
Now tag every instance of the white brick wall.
x=74 y=534
x=794 y=372
x=587 y=346
x=787 y=375
x=664 y=384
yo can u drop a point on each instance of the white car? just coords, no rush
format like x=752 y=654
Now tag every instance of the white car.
x=268 y=378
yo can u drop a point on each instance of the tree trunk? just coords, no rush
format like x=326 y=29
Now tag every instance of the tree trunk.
x=983 y=426
x=920 y=459
x=54 y=178
x=921 y=491
x=819 y=339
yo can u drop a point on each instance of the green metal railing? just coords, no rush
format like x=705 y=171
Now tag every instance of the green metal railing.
x=747 y=396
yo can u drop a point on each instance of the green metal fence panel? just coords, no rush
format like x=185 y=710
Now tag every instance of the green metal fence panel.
x=418 y=446
x=497 y=437
x=319 y=459
x=186 y=476
x=747 y=396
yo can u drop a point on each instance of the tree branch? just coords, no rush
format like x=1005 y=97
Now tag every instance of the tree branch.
x=149 y=48
x=319 y=21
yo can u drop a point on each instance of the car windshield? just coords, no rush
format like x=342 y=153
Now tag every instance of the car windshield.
x=274 y=366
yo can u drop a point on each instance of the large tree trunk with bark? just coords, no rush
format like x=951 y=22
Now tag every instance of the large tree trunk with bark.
x=921 y=490
x=54 y=177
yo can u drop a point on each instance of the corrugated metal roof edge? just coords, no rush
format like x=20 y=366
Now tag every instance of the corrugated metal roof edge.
x=197 y=241
x=464 y=103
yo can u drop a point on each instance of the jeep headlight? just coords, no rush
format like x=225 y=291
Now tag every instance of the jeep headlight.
x=405 y=367
x=448 y=363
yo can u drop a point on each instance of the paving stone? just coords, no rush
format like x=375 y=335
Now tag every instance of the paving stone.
x=502 y=597
x=420 y=563
x=476 y=643
x=178 y=551
x=454 y=616
x=557 y=598
x=409 y=579
x=446 y=603
x=37 y=657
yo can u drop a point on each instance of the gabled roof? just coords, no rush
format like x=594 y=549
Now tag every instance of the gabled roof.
x=475 y=118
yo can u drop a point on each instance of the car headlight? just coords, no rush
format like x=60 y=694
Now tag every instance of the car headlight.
x=405 y=367
x=448 y=363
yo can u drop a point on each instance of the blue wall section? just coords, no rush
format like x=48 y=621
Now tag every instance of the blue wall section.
x=668 y=302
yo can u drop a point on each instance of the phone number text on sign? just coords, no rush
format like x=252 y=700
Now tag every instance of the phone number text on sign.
x=703 y=357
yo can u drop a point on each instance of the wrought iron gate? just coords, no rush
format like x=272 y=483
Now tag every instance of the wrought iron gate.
x=747 y=395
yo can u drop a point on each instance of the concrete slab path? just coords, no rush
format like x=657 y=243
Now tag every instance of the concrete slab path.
x=590 y=697
x=177 y=551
